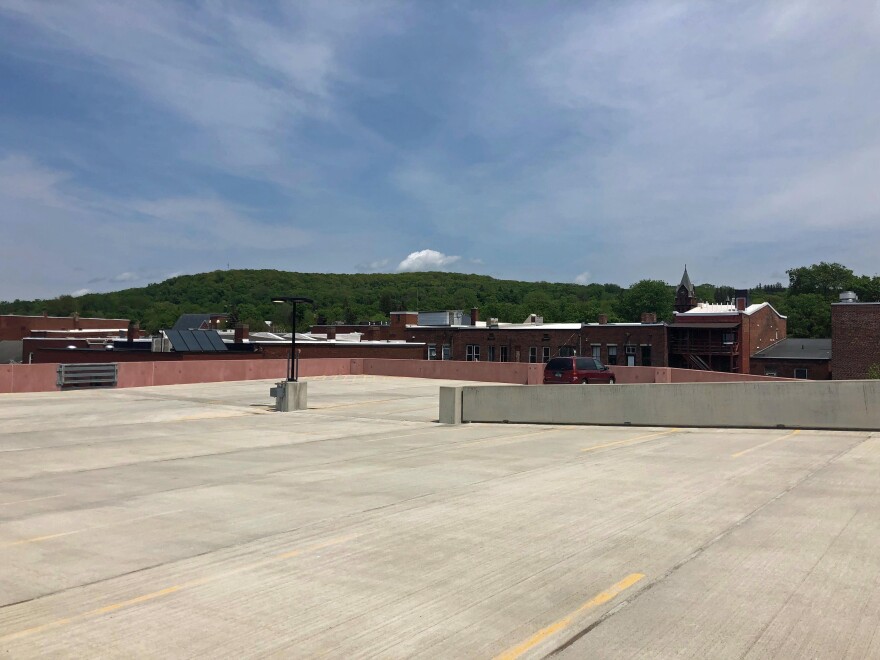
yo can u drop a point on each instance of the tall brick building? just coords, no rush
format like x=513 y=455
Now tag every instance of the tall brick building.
x=855 y=334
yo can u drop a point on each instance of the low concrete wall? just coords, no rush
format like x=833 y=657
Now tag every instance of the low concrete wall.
x=42 y=377
x=851 y=405
x=487 y=372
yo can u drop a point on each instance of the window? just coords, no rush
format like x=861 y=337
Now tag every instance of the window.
x=769 y=371
x=432 y=351
x=545 y=354
x=533 y=354
x=504 y=356
x=612 y=354
x=559 y=364
x=490 y=354
x=447 y=352
x=630 y=349
x=728 y=338
x=801 y=373
x=472 y=353
x=597 y=351
x=586 y=364
x=646 y=356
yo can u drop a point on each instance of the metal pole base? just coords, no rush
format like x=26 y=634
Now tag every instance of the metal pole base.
x=290 y=395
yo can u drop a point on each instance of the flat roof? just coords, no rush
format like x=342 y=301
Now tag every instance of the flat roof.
x=793 y=348
x=192 y=520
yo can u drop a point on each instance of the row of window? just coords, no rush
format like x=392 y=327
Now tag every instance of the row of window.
x=501 y=353
x=798 y=373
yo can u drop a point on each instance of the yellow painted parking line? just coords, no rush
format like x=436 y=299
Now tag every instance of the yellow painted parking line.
x=153 y=595
x=635 y=440
x=32 y=499
x=764 y=444
x=565 y=622
x=47 y=537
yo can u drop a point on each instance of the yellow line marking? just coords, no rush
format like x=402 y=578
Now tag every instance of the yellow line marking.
x=565 y=622
x=633 y=440
x=113 y=607
x=33 y=499
x=38 y=539
x=764 y=444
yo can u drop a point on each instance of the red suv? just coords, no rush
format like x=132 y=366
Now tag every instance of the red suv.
x=577 y=370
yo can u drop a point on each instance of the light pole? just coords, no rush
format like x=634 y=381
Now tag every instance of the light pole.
x=293 y=372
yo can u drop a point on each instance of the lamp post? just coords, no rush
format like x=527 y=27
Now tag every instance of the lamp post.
x=293 y=371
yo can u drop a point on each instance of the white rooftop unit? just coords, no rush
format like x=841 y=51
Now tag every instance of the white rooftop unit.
x=447 y=317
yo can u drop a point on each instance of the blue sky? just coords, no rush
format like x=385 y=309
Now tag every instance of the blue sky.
x=592 y=141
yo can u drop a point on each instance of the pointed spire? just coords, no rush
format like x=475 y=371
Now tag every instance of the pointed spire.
x=686 y=281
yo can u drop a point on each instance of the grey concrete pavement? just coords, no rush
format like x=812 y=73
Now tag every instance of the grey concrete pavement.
x=192 y=520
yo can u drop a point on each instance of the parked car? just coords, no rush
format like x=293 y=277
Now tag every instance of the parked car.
x=577 y=370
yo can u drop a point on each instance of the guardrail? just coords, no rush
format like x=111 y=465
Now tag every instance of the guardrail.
x=87 y=375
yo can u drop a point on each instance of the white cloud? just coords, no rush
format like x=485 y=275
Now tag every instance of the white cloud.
x=80 y=292
x=426 y=260
x=583 y=278
x=125 y=277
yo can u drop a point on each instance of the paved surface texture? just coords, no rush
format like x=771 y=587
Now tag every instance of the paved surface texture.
x=192 y=521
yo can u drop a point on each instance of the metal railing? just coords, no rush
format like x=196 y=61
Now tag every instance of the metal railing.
x=703 y=347
x=87 y=375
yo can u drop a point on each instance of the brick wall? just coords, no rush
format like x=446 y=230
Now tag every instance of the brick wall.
x=519 y=341
x=816 y=369
x=855 y=337
x=760 y=330
x=15 y=327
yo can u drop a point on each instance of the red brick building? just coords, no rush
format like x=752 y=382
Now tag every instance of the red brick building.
x=14 y=327
x=794 y=358
x=855 y=333
x=723 y=337
x=456 y=335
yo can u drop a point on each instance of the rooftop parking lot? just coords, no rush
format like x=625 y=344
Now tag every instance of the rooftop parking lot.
x=193 y=520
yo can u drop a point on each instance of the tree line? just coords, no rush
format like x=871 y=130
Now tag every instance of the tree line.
x=246 y=295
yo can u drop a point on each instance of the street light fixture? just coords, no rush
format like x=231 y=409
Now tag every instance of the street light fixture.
x=293 y=371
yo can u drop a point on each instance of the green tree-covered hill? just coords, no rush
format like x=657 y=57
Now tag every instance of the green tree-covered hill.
x=350 y=298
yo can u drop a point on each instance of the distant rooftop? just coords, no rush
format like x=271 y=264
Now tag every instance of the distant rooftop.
x=797 y=349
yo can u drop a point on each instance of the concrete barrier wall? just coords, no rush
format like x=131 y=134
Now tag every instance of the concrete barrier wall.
x=42 y=377
x=487 y=372
x=790 y=404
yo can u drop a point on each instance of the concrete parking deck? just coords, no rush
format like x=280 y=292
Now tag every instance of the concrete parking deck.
x=191 y=520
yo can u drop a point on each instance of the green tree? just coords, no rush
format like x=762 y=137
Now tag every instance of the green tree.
x=823 y=279
x=645 y=296
x=809 y=315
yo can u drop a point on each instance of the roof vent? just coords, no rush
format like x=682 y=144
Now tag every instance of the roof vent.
x=848 y=297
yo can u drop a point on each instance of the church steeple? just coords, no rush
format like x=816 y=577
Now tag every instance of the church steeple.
x=685 y=296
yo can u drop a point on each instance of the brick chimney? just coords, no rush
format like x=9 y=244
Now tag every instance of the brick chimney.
x=475 y=315
x=242 y=332
x=331 y=332
x=649 y=317
x=742 y=299
x=134 y=331
x=603 y=319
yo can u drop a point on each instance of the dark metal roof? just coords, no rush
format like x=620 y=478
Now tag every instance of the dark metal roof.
x=797 y=349
x=704 y=326
x=194 y=321
x=195 y=341
x=686 y=281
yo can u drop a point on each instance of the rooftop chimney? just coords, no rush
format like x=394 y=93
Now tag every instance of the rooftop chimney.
x=242 y=332
x=331 y=332
x=649 y=317
x=475 y=315
x=134 y=331
x=603 y=319
x=742 y=299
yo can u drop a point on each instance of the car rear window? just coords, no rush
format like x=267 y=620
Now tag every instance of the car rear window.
x=559 y=364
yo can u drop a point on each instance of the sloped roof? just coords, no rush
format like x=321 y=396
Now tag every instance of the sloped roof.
x=686 y=281
x=194 y=321
x=797 y=349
